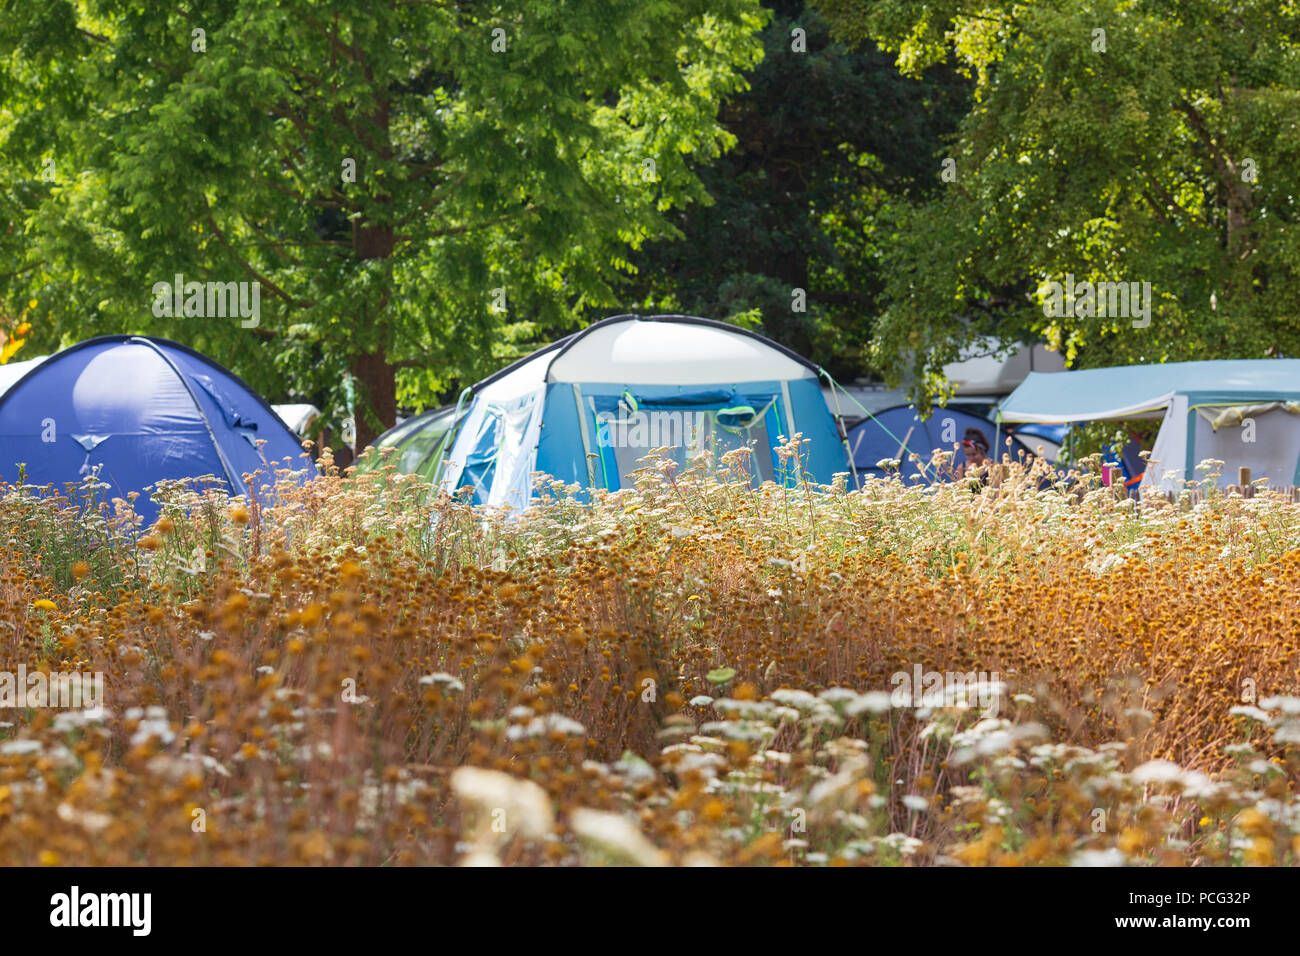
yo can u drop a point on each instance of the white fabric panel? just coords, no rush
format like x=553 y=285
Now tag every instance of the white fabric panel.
x=297 y=417
x=672 y=353
x=11 y=372
x=1220 y=416
x=1168 y=458
x=463 y=444
x=792 y=426
x=512 y=483
x=1164 y=471
x=585 y=432
x=986 y=368
x=523 y=380
x=1267 y=443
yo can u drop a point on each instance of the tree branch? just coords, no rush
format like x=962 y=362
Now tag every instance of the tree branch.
x=249 y=268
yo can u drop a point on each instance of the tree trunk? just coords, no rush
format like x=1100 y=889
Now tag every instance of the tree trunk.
x=376 y=401
x=376 y=409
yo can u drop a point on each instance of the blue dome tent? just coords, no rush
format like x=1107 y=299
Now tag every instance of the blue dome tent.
x=899 y=433
x=139 y=409
x=585 y=409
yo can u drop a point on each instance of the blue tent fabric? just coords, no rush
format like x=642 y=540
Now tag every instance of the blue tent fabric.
x=140 y=409
x=899 y=433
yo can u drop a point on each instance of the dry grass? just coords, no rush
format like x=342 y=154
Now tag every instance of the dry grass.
x=693 y=670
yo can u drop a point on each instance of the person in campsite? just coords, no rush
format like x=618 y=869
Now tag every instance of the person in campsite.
x=975 y=446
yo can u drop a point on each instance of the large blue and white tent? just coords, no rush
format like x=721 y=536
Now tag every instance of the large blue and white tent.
x=1244 y=413
x=585 y=409
x=139 y=409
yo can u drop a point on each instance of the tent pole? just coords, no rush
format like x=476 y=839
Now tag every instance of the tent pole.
x=839 y=426
x=997 y=428
x=921 y=466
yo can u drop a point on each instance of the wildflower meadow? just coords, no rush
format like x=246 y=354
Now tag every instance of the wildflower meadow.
x=697 y=670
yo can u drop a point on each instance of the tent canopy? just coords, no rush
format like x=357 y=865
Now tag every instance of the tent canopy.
x=1243 y=413
x=1144 y=391
x=139 y=410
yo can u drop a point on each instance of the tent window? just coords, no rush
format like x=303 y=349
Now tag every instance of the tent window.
x=629 y=427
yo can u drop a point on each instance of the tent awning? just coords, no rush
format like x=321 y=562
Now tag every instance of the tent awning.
x=1143 y=391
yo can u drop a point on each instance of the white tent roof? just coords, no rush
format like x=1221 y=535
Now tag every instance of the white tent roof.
x=651 y=350
x=982 y=371
x=526 y=375
x=672 y=351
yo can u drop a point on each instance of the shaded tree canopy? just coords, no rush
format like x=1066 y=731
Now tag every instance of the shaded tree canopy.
x=830 y=144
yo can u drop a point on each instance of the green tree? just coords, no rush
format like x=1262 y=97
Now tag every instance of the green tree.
x=827 y=138
x=411 y=183
x=1110 y=141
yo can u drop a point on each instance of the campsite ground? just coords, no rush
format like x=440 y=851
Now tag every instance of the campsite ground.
x=688 y=671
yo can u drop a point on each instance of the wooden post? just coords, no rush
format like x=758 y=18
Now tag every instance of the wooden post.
x=1243 y=479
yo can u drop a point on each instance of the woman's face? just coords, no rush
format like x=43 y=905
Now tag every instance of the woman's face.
x=974 y=453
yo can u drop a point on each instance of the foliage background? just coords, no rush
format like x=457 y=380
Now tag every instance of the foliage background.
x=793 y=147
